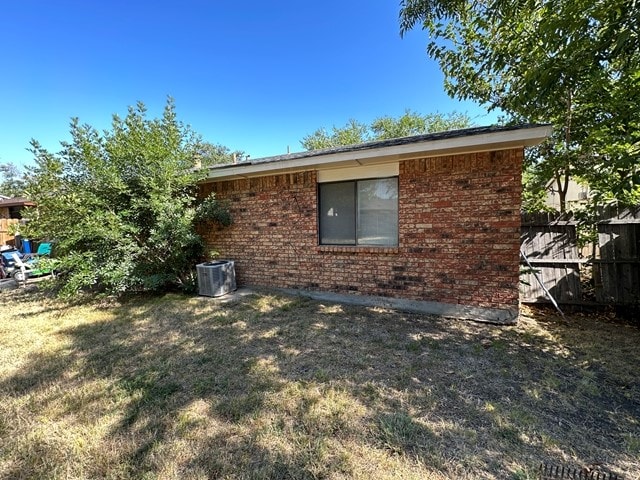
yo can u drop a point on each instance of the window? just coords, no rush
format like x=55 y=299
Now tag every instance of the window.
x=359 y=212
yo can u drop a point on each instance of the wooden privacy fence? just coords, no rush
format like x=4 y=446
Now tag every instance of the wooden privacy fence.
x=607 y=272
x=4 y=229
x=616 y=266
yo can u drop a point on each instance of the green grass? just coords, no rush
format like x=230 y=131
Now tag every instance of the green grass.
x=271 y=386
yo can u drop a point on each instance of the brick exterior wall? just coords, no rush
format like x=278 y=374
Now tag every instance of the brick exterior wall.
x=459 y=227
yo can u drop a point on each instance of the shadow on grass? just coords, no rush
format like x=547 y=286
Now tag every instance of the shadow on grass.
x=280 y=387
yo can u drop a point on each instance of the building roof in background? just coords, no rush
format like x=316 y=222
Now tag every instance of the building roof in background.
x=15 y=202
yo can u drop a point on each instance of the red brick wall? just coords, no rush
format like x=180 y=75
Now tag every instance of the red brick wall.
x=459 y=227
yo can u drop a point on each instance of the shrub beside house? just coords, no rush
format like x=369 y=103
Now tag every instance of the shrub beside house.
x=431 y=218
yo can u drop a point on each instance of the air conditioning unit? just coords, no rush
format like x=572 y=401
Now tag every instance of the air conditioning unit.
x=216 y=278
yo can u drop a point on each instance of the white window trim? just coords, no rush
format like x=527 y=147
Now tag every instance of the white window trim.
x=363 y=172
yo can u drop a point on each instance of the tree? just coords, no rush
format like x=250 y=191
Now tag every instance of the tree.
x=215 y=154
x=534 y=195
x=352 y=133
x=574 y=63
x=12 y=184
x=121 y=204
x=382 y=128
x=412 y=123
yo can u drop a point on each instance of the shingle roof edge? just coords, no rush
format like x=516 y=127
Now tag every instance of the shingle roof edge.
x=450 y=134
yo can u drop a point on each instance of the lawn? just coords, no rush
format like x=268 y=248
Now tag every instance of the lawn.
x=271 y=386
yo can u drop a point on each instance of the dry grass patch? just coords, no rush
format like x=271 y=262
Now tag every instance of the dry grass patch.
x=272 y=386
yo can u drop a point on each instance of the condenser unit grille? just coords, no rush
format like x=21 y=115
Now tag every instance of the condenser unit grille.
x=216 y=278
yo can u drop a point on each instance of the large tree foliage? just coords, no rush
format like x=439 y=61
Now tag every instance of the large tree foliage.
x=410 y=123
x=575 y=63
x=352 y=133
x=12 y=180
x=209 y=154
x=120 y=205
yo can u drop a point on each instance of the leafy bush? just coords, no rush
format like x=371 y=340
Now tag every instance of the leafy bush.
x=121 y=205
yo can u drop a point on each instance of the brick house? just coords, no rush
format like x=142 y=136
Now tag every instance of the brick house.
x=431 y=220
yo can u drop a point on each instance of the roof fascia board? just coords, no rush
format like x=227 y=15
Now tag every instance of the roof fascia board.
x=17 y=204
x=500 y=140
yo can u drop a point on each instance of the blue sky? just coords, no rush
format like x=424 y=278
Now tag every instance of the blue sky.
x=255 y=76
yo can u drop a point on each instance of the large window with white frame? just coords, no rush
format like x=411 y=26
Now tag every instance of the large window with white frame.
x=359 y=212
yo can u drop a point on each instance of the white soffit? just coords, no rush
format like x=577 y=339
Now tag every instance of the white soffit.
x=490 y=141
x=360 y=172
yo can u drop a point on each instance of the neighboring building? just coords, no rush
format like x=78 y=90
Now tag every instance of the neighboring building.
x=577 y=195
x=433 y=219
x=10 y=213
x=12 y=207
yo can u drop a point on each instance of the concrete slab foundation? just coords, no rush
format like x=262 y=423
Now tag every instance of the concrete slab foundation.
x=476 y=314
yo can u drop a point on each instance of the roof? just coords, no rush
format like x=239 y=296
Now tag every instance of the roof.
x=468 y=140
x=15 y=202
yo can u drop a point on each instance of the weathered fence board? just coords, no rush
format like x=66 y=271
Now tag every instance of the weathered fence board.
x=4 y=229
x=616 y=270
x=550 y=243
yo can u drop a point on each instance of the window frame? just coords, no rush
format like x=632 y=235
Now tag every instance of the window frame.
x=356 y=243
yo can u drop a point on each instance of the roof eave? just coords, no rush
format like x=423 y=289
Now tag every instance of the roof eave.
x=7 y=204
x=490 y=141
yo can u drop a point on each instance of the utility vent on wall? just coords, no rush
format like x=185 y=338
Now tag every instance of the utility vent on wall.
x=216 y=278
